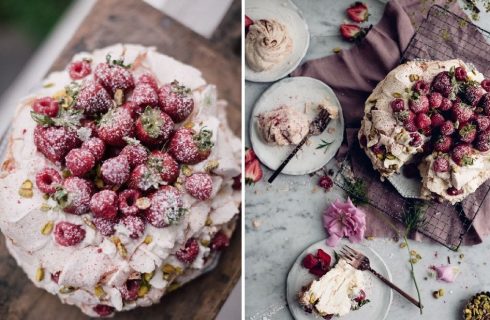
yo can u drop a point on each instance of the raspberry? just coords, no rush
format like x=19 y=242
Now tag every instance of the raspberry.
x=133 y=109
x=127 y=202
x=410 y=126
x=149 y=79
x=189 y=147
x=135 y=225
x=164 y=164
x=309 y=261
x=79 y=192
x=113 y=77
x=472 y=94
x=47 y=180
x=199 y=185
x=427 y=131
x=483 y=142
x=103 y=310
x=397 y=105
x=437 y=120
x=467 y=133
x=105 y=226
x=114 y=126
x=104 y=204
x=442 y=84
x=219 y=241
x=460 y=74
x=96 y=147
x=55 y=142
x=68 y=234
x=136 y=153
x=129 y=291
x=143 y=178
x=441 y=164
x=435 y=100
x=189 y=253
x=416 y=139
x=462 y=155
x=47 y=106
x=176 y=101
x=485 y=84
x=485 y=104
x=144 y=95
x=79 y=161
x=93 y=99
x=443 y=144
x=421 y=87
x=55 y=277
x=422 y=121
x=461 y=112
x=446 y=104
x=115 y=171
x=79 y=69
x=419 y=104
x=447 y=128
x=325 y=182
x=453 y=191
x=166 y=207
x=154 y=127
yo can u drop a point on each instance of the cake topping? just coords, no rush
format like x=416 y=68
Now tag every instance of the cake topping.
x=189 y=253
x=79 y=69
x=190 y=147
x=47 y=180
x=199 y=185
x=176 y=101
x=68 y=234
x=166 y=207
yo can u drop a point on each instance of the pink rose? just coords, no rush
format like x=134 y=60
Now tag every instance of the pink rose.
x=343 y=219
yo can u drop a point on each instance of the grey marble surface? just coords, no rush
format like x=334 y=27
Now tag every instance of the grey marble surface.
x=284 y=218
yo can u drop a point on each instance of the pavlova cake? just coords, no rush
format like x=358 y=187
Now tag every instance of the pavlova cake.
x=436 y=113
x=121 y=180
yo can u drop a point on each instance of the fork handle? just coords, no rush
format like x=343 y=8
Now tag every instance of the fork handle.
x=394 y=287
x=286 y=161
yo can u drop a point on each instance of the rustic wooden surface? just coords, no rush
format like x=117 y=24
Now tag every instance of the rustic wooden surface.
x=114 y=21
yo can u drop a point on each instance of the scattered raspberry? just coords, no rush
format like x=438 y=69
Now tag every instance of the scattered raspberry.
x=219 y=241
x=164 y=164
x=154 y=127
x=135 y=225
x=437 y=120
x=309 y=261
x=104 y=204
x=136 y=153
x=47 y=106
x=421 y=87
x=105 y=226
x=55 y=142
x=113 y=77
x=447 y=128
x=79 y=69
x=79 y=161
x=189 y=147
x=115 y=171
x=47 y=180
x=199 y=185
x=129 y=291
x=419 y=104
x=453 y=191
x=397 y=105
x=166 y=207
x=461 y=112
x=460 y=74
x=115 y=125
x=441 y=164
x=422 y=121
x=189 y=253
x=467 y=133
x=472 y=94
x=96 y=147
x=443 y=144
x=103 y=310
x=462 y=155
x=144 y=95
x=149 y=79
x=485 y=84
x=416 y=139
x=78 y=198
x=55 y=277
x=442 y=84
x=446 y=104
x=68 y=234
x=325 y=182
x=127 y=202
x=435 y=100
x=176 y=101
x=93 y=99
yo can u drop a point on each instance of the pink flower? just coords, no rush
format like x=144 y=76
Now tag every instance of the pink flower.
x=446 y=273
x=343 y=219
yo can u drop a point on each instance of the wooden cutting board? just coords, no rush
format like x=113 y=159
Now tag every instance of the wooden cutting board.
x=130 y=21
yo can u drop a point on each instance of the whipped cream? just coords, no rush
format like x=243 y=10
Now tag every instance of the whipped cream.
x=267 y=44
x=96 y=262
x=283 y=126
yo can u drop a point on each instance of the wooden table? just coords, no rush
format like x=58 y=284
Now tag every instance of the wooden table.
x=115 y=21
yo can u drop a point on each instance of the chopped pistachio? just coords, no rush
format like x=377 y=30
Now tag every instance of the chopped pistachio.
x=336 y=50
x=39 y=274
x=27 y=184
x=370 y=238
x=189 y=125
x=414 y=77
x=403 y=245
x=396 y=95
x=173 y=286
x=66 y=289
x=414 y=260
x=47 y=228
x=89 y=223
x=143 y=203
x=120 y=247
x=211 y=165
x=118 y=97
x=209 y=222
x=48 y=85
x=45 y=207
x=441 y=292
x=26 y=193
x=186 y=170
x=46 y=196
x=143 y=290
x=99 y=292
x=205 y=242
x=148 y=276
x=148 y=239
x=99 y=183
x=65 y=173
x=168 y=268
x=312 y=299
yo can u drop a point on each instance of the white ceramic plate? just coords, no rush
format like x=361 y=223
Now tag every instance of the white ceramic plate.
x=379 y=294
x=300 y=93
x=285 y=12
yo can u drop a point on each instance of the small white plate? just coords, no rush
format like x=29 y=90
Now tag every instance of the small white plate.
x=379 y=294
x=299 y=93
x=287 y=13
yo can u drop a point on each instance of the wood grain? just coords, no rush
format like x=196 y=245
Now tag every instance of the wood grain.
x=115 y=21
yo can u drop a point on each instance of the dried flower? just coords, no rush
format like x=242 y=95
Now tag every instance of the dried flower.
x=343 y=219
x=446 y=273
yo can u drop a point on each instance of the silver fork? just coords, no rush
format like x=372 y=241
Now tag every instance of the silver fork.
x=359 y=261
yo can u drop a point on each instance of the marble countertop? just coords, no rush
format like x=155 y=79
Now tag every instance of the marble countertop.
x=284 y=218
